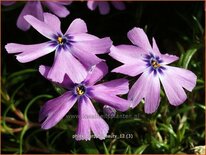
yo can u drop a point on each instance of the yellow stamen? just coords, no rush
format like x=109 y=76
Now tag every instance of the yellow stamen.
x=79 y=91
x=155 y=64
x=60 y=40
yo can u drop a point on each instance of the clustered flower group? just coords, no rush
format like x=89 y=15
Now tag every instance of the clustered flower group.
x=77 y=68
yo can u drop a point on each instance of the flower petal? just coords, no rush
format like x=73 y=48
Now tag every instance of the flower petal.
x=110 y=99
x=118 y=5
x=53 y=21
x=92 y=5
x=77 y=26
x=65 y=63
x=173 y=89
x=30 y=8
x=89 y=115
x=66 y=83
x=103 y=7
x=91 y=43
x=155 y=47
x=40 y=26
x=86 y=58
x=29 y=52
x=57 y=8
x=137 y=92
x=186 y=78
x=115 y=87
x=54 y=110
x=131 y=69
x=96 y=73
x=152 y=97
x=7 y=3
x=138 y=37
x=167 y=59
x=126 y=53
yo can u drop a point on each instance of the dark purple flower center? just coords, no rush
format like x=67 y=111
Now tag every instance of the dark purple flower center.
x=154 y=62
x=80 y=90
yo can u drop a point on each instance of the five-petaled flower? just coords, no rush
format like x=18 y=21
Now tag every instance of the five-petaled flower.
x=35 y=9
x=88 y=119
x=75 y=51
x=142 y=58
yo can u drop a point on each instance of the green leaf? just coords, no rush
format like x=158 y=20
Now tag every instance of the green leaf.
x=106 y=151
x=141 y=149
x=89 y=147
x=188 y=55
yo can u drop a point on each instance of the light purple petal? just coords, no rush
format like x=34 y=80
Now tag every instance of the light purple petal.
x=54 y=110
x=65 y=63
x=138 y=37
x=103 y=7
x=57 y=8
x=30 y=8
x=115 y=87
x=186 y=78
x=40 y=26
x=53 y=21
x=131 y=69
x=76 y=27
x=110 y=99
x=126 y=53
x=118 y=5
x=173 y=89
x=137 y=92
x=67 y=83
x=155 y=47
x=167 y=59
x=96 y=73
x=91 y=44
x=85 y=57
x=152 y=97
x=29 y=52
x=92 y=5
x=89 y=117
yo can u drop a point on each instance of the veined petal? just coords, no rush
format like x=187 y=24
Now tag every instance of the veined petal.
x=90 y=119
x=40 y=26
x=138 y=37
x=54 y=110
x=86 y=58
x=167 y=59
x=131 y=69
x=137 y=92
x=65 y=63
x=57 y=8
x=30 y=8
x=53 y=21
x=96 y=73
x=118 y=5
x=152 y=95
x=77 y=26
x=103 y=7
x=115 y=87
x=173 y=89
x=110 y=99
x=128 y=54
x=91 y=44
x=66 y=83
x=186 y=78
x=29 y=52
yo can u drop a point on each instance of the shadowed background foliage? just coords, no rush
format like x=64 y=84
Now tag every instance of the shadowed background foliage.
x=178 y=28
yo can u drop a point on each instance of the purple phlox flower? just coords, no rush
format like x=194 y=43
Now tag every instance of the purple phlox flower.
x=88 y=119
x=35 y=8
x=74 y=51
x=153 y=67
x=104 y=7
